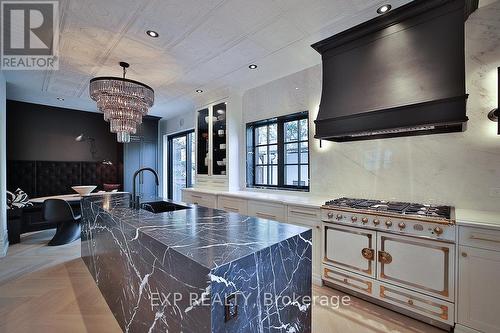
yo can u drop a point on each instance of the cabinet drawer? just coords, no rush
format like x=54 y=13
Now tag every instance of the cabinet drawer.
x=304 y=215
x=422 y=304
x=231 y=204
x=201 y=199
x=266 y=210
x=358 y=283
x=480 y=238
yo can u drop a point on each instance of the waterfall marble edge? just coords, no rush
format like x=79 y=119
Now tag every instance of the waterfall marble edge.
x=198 y=269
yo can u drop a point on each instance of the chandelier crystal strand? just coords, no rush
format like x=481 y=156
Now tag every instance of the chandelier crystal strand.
x=124 y=102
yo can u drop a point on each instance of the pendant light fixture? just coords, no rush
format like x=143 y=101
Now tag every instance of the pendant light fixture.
x=123 y=101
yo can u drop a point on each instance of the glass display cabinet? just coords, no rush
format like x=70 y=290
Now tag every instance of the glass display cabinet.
x=211 y=133
x=203 y=141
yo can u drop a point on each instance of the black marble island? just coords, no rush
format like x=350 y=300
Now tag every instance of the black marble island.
x=197 y=270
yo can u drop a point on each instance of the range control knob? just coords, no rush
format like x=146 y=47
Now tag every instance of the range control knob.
x=364 y=220
x=354 y=218
x=330 y=215
x=401 y=225
x=376 y=221
x=438 y=230
x=388 y=223
x=339 y=216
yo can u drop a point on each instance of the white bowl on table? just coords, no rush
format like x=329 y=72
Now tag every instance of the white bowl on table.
x=84 y=190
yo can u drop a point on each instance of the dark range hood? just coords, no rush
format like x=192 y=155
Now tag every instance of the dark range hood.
x=400 y=74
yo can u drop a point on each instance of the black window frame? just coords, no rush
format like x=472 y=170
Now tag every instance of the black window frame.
x=251 y=164
x=170 y=139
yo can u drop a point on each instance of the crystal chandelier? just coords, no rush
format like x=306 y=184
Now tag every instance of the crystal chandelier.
x=124 y=102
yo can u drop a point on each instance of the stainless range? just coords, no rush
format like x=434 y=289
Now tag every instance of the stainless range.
x=398 y=254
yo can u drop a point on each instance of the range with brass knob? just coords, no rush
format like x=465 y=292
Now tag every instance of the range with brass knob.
x=425 y=221
x=438 y=230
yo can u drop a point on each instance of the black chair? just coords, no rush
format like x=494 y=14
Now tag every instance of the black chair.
x=68 y=225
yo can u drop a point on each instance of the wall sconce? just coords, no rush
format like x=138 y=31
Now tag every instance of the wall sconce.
x=494 y=114
x=91 y=141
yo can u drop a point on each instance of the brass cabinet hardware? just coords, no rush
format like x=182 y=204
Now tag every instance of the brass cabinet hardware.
x=410 y=301
x=303 y=213
x=330 y=215
x=266 y=216
x=367 y=253
x=464 y=254
x=384 y=257
x=484 y=239
x=318 y=227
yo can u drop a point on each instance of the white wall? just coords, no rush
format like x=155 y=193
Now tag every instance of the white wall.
x=459 y=169
x=3 y=166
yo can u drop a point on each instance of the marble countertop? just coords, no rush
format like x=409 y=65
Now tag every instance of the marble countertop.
x=210 y=237
x=465 y=217
x=478 y=218
x=299 y=199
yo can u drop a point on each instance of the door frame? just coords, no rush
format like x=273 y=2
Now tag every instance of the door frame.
x=170 y=138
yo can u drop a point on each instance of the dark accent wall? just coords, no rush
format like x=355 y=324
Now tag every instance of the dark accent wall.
x=46 y=133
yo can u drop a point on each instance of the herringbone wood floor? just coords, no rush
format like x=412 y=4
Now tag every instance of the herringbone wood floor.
x=49 y=289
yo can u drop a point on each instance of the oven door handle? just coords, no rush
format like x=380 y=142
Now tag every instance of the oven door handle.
x=384 y=257
x=368 y=253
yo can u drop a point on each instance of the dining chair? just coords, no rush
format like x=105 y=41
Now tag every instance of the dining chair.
x=59 y=211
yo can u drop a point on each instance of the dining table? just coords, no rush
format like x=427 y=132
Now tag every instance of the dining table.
x=70 y=198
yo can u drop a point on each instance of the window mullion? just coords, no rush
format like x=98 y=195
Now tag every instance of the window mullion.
x=281 y=152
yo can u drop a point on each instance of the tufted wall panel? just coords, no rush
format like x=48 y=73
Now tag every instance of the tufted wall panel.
x=57 y=177
x=44 y=178
x=22 y=174
x=97 y=173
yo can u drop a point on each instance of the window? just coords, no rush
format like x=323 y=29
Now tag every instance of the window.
x=181 y=166
x=278 y=153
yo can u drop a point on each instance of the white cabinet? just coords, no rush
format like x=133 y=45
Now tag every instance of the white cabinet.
x=267 y=210
x=309 y=218
x=478 y=278
x=200 y=198
x=232 y=204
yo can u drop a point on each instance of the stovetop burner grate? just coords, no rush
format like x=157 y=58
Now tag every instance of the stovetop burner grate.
x=403 y=208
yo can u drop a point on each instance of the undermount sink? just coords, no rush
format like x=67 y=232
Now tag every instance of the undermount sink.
x=162 y=206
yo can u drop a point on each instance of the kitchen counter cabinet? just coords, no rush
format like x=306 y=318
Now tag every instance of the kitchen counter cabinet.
x=478 y=276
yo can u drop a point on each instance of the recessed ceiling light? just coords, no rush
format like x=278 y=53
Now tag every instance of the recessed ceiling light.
x=253 y=66
x=152 y=33
x=60 y=99
x=384 y=9
x=199 y=91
